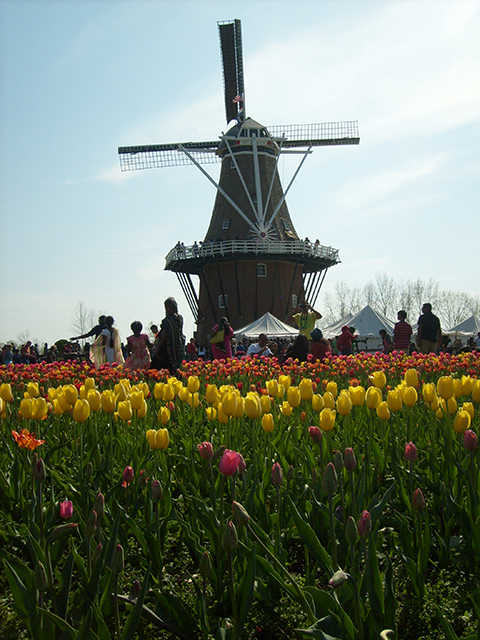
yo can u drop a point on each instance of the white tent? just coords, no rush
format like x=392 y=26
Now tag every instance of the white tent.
x=469 y=327
x=367 y=323
x=268 y=324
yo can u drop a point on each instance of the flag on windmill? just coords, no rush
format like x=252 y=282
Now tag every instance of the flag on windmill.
x=238 y=98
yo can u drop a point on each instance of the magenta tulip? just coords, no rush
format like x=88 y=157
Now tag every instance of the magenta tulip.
x=229 y=462
x=66 y=509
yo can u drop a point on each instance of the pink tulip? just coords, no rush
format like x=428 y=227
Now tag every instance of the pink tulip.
x=470 y=440
x=410 y=452
x=205 y=450
x=350 y=461
x=66 y=509
x=364 y=524
x=418 y=500
x=127 y=476
x=277 y=475
x=315 y=434
x=229 y=462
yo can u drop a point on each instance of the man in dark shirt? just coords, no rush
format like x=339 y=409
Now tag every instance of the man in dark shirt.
x=429 y=335
x=95 y=331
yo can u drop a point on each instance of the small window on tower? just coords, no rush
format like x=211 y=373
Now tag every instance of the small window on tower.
x=286 y=225
x=294 y=301
x=222 y=301
x=261 y=270
x=226 y=223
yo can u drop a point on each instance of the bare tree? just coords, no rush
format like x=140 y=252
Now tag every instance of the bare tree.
x=83 y=319
x=23 y=337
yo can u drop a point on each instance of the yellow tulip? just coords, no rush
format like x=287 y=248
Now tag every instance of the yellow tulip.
x=357 y=395
x=373 y=397
x=164 y=415
x=435 y=403
x=222 y=417
x=142 y=412
x=211 y=394
x=285 y=381
x=136 y=400
x=439 y=413
x=120 y=391
x=410 y=395
x=253 y=408
x=52 y=394
x=168 y=392
x=286 y=408
x=81 y=410
x=468 y=406
x=184 y=394
x=329 y=400
x=124 y=409
x=26 y=408
x=33 y=390
x=306 y=389
x=162 y=439
x=383 y=412
x=476 y=390
x=266 y=404
x=39 y=408
x=411 y=378
x=229 y=403
x=94 y=399
x=317 y=402
x=272 y=387
x=89 y=383
x=293 y=397
x=467 y=385
x=240 y=410
x=158 y=391
x=2 y=406
x=281 y=391
x=332 y=388
x=445 y=387
x=449 y=406
x=378 y=379
x=193 y=400
x=457 y=387
x=82 y=394
x=327 y=419
x=57 y=408
x=107 y=401
x=62 y=399
x=6 y=392
x=429 y=392
x=462 y=421
x=211 y=413
x=193 y=384
x=344 y=404
x=267 y=422
x=394 y=400
x=71 y=393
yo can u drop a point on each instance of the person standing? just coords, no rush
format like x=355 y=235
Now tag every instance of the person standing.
x=402 y=333
x=222 y=350
x=305 y=318
x=320 y=347
x=138 y=348
x=94 y=331
x=345 y=341
x=107 y=348
x=170 y=350
x=429 y=333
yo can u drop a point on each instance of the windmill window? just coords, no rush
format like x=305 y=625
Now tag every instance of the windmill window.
x=261 y=270
x=222 y=301
x=285 y=225
x=294 y=301
x=226 y=223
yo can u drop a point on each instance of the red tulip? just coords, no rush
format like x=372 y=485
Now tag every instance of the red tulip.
x=229 y=462
x=66 y=509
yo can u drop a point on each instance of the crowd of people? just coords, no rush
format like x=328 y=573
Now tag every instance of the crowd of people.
x=168 y=348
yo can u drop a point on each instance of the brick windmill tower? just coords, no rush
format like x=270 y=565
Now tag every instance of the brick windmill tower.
x=251 y=259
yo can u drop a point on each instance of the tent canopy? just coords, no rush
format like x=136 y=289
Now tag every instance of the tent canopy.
x=367 y=322
x=268 y=324
x=470 y=327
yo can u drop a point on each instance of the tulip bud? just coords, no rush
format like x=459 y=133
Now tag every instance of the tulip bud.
x=229 y=462
x=229 y=540
x=445 y=387
x=470 y=440
x=351 y=531
x=267 y=422
x=97 y=552
x=205 y=567
x=462 y=421
x=338 y=578
x=315 y=434
x=327 y=419
x=364 y=524
x=127 y=475
x=339 y=513
x=135 y=589
x=350 y=461
x=338 y=461
x=91 y=524
x=61 y=531
x=418 y=500
x=39 y=473
x=241 y=464
x=118 y=562
x=277 y=475
x=88 y=471
x=205 y=450
x=66 y=509
x=290 y=473
x=240 y=513
x=157 y=490
x=99 y=505
x=410 y=452
x=411 y=378
x=330 y=480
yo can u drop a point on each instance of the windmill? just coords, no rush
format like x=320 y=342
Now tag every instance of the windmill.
x=251 y=259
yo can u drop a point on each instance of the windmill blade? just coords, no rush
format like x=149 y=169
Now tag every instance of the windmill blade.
x=154 y=156
x=316 y=135
x=232 y=59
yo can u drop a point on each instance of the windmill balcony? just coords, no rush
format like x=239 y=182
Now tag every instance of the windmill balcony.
x=187 y=259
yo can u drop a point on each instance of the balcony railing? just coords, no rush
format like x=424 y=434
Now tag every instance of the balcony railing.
x=251 y=247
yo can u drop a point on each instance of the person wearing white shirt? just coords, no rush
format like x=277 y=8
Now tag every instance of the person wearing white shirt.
x=259 y=348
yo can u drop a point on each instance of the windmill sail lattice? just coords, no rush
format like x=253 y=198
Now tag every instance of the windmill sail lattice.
x=251 y=259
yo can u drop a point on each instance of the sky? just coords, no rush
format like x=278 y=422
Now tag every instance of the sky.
x=80 y=78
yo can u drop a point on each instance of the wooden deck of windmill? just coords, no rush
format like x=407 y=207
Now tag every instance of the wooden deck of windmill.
x=251 y=259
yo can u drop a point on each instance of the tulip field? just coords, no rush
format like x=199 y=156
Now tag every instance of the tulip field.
x=334 y=500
